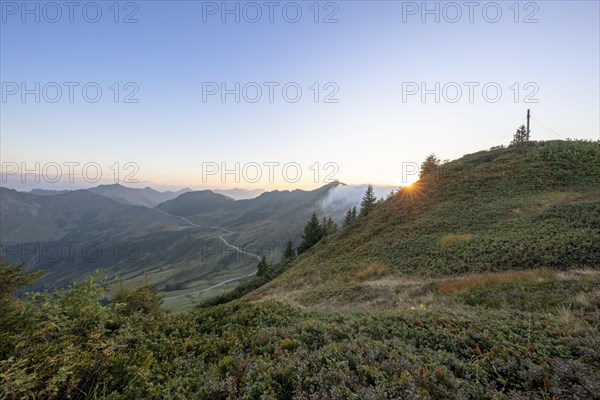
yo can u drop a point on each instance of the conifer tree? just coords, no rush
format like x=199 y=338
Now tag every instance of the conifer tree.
x=329 y=226
x=520 y=136
x=429 y=166
x=368 y=202
x=313 y=232
x=262 y=267
x=289 y=254
x=348 y=220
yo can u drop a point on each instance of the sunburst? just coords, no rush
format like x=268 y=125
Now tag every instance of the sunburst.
x=413 y=190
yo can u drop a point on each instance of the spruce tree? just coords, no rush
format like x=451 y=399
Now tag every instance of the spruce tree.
x=262 y=267
x=520 y=136
x=348 y=220
x=368 y=202
x=353 y=213
x=329 y=226
x=429 y=166
x=313 y=232
x=289 y=254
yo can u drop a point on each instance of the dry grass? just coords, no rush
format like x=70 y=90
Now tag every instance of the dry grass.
x=453 y=239
x=374 y=288
x=571 y=320
x=370 y=271
x=450 y=286
x=584 y=299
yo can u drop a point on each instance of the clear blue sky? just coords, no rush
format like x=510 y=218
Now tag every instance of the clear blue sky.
x=369 y=54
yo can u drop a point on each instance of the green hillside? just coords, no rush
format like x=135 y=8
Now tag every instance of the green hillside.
x=527 y=206
x=266 y=221
x=482 y=281
x=70 y=235
x=194 y=203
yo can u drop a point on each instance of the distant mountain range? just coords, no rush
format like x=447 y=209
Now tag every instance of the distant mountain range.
x=148 y=197
x=240 y=194
x=133 y=233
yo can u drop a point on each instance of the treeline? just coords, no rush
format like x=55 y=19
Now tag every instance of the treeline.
x=264 y=273
x=314 y=231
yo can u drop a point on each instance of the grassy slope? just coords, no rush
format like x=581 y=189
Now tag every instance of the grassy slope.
x=521 y=332
x=136 y=243
x=528 y=206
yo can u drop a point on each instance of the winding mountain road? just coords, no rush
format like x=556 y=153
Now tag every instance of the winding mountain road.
x=227 y=232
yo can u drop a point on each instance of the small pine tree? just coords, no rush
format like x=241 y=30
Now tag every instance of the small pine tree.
x=348 y=220
x=429 y=166
x=333 y=226
x=520 y=136
x=263 y=267
x=313 y=232
x=329 y=226
x=350 y=216
x=289 y=254
x=368 y=202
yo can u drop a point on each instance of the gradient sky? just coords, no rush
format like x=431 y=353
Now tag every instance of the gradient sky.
x=369 y=53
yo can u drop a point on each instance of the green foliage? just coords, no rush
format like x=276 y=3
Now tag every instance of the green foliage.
x=142 y=299
x=12 y=278
x=491 y=336
x=60 y=350
x=289 y=254
x=350 y=217
x=237 y=293
x=262 y=267
x=329 y=226
x=429 y=167
x=520 y=136
x=270 y=272
x=75 y=347
x=138 y=241
x=543 y=295
x=521 y=207
x=313 y=232
x=368 y=202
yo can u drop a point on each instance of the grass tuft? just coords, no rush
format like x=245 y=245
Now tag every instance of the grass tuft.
x=450 y=286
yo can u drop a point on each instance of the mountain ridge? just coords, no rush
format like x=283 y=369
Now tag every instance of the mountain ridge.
x=135 y=241
x=531 y=205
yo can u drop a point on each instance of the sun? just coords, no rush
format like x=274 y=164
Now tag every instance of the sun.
x=406 y=181
x=411 y=190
